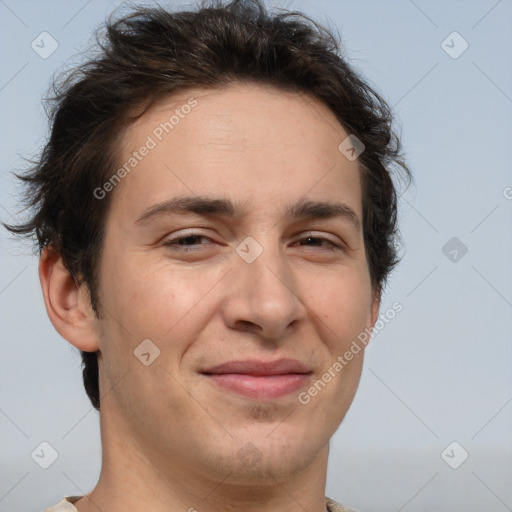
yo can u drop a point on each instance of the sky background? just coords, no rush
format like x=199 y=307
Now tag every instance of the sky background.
x=438 y=373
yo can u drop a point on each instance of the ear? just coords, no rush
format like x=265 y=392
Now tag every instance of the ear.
x=67 y=304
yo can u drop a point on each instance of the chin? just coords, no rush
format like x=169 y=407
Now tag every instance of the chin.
x=265 y=456
x=272 y=467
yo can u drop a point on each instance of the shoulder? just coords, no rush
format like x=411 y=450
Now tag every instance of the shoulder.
x=64 y=505
x=333 y=506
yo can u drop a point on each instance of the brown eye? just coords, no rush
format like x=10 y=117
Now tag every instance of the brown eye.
x=315 y=241
x=187 y=242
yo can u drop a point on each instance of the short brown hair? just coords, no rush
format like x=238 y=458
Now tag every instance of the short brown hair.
x=151 y=53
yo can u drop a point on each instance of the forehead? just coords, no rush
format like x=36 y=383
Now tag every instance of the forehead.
x=261 y=144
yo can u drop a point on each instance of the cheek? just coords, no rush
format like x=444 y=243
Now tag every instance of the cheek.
x=342 y=303
x=149 y=302
x=154 y=299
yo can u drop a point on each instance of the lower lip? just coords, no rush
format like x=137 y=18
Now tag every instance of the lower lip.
x=263 y=386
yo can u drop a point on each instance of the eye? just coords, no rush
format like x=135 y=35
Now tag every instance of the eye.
x=318 y=239
x=187 y=242
x=190 y=241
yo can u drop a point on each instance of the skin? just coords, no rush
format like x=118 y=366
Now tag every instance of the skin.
x=171 y=438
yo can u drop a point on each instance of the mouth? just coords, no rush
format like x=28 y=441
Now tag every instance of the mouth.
x=259 y=379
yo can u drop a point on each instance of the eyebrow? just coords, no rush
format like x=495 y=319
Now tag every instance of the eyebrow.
x=222 y=207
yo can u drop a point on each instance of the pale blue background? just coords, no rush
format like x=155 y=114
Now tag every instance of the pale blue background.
x=441 y=371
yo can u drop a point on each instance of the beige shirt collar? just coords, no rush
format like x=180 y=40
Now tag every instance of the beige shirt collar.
x=66 y=505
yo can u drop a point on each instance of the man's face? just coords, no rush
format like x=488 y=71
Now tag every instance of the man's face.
x=209 y=288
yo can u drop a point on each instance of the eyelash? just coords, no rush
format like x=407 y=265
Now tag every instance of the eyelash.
x=174 y=242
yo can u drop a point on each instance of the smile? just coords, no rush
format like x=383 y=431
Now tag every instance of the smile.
x=260 y=379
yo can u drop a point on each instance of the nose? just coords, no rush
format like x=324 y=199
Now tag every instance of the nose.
x=262 y=297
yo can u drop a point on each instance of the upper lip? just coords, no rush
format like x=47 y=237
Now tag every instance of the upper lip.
x=260 y=367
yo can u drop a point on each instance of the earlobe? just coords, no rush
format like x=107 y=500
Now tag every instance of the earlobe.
x=66 y=302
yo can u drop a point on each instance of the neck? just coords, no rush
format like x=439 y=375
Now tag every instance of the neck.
x=136 y=476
